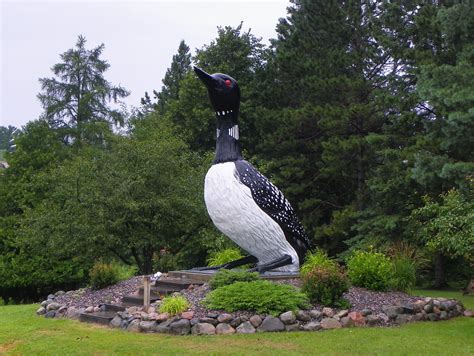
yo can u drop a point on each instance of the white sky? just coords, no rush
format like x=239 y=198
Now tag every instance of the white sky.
x=140 y=39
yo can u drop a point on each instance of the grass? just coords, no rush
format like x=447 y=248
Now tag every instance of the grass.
x=23 y=333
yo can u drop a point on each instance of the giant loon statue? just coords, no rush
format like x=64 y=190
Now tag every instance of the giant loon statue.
x=242 y=203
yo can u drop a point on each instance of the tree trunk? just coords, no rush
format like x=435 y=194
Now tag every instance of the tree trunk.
x=439 y=269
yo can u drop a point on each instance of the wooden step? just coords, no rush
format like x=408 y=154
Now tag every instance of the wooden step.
x=103 y=318
x=112 y=307
x=206 y=275
x=159 y=290
x=137 y=300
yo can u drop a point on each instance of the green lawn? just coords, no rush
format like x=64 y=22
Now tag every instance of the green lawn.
x=23 y=333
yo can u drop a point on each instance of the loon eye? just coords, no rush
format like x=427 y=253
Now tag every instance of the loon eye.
x=228 y=83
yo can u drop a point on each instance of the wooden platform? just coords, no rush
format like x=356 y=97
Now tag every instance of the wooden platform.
x=205 y=276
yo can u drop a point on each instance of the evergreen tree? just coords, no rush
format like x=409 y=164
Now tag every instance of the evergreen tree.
x=77 y=101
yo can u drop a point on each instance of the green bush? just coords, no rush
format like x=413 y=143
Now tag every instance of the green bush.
x=258 y=296
x=225 y=277
x=174 y=305
x=371 y=270
x=318 y=258
x=224 y=256
x=404 y=274
x=103 y=275
x=325 y=285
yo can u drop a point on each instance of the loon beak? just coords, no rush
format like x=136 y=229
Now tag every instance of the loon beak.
x=206 y=78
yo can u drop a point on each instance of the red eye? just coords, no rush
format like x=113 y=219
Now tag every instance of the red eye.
x=228 y=83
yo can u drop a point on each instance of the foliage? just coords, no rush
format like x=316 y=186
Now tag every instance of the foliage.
x=76 y=102
x=225 y=277
x=6 y=134
x=259 y=296
x=220 y=257
x=447 y=225
x=317 y=259
x=103 y=275
x=371 y=270
x=174 y=305
x=325 y=285
x=404 y=274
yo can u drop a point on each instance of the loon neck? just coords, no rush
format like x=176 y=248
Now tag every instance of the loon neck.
x=227 y=143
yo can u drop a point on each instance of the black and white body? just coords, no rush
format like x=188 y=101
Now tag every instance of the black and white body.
x=242 y=203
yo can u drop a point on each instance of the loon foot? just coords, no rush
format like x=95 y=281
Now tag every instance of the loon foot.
x=230 y=265
x=279 y=262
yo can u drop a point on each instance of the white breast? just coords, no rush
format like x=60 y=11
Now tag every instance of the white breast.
x=234 y=212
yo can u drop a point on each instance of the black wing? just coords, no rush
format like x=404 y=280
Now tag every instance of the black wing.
x=271 y=200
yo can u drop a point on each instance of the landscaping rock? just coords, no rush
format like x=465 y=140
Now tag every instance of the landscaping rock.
x=53 y=306
x=73 y=312
x=147 y=326
x=245 y=328
x=392 y=311
x=89 y=310
x=194 y=321
x=330 y=323
x=433 y=317
x=383 y=318
x=255 y=320
x=208 y=321
x=62 y=310
x=443 y=315
x=329 y=312
x=41 y=311
x=408 y=308
x=224 y=329
x=288 y=317
x=45 y=303
x=212 y=315
x=293 y=327
x=315 y=314
x=366 y=312
x=180 y=327
x=50 y=297
x=371 y=320
x=303 y=315
x=134 y=326
x=357 y=318
x=59 y=293
x=428 y=308
x=468 y=313
x=187 y=315
x=116 y=322
x=347 y=322
x=162 y=317
x=271 y=324
x=203 y=329
x=164 y=327
x=50 y=314
x=225 y=318
x=236 y=322
x=402 y=319
x=342 y=313
x=312 y=326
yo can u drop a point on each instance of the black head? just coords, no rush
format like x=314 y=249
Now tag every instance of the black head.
x=223 y=91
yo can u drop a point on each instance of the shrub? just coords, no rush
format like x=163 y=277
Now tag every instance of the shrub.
x=325 y=285
x=259 y=296
x=174 y=305
x=371 y=270
x=319 y=259
x=224 y=256
x=225 y=277
x=404 y=274
x=103 y=275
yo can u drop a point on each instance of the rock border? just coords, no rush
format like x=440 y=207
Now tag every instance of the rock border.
x=134 y=319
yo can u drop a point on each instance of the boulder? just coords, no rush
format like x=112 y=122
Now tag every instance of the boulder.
x=180 y=327
x=224 y=329
x=342 y=313
x=303 y=315
x=41 y=311
x=315 y=314
x=187 y=315
x=366 y=312
x=89 y=310
x=418 y=306
x=164 y=327
x=433 y=317
x=203 y=329
x=329 y=312
x=428 y=308
x=208 y=320
x=312 y=326
x=330 y=323
x=225 y=318
x=271 y=324
x=50 y=297
x=443 y=315
x=293 y=327
x=53 y=306
x=73 y=313
x=147 y=326
x=50 y=314
x=212 y=315
x=255 y=320
x=162 y=317
x=408 y=308
x=236 y=322
x=392 y=311
x=347 y=322
x=371 y=320
x=116 y=322
x=403 y=319
x=468 y=313
x=134 y=326
x=245 y=328
x=357 y=318
x=45 y=303
x=288 y=317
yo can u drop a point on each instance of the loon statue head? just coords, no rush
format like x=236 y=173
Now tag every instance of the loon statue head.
x=223 y=90
x=224 y=94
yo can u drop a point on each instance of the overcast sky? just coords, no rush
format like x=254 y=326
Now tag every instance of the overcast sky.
x=140 y=39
